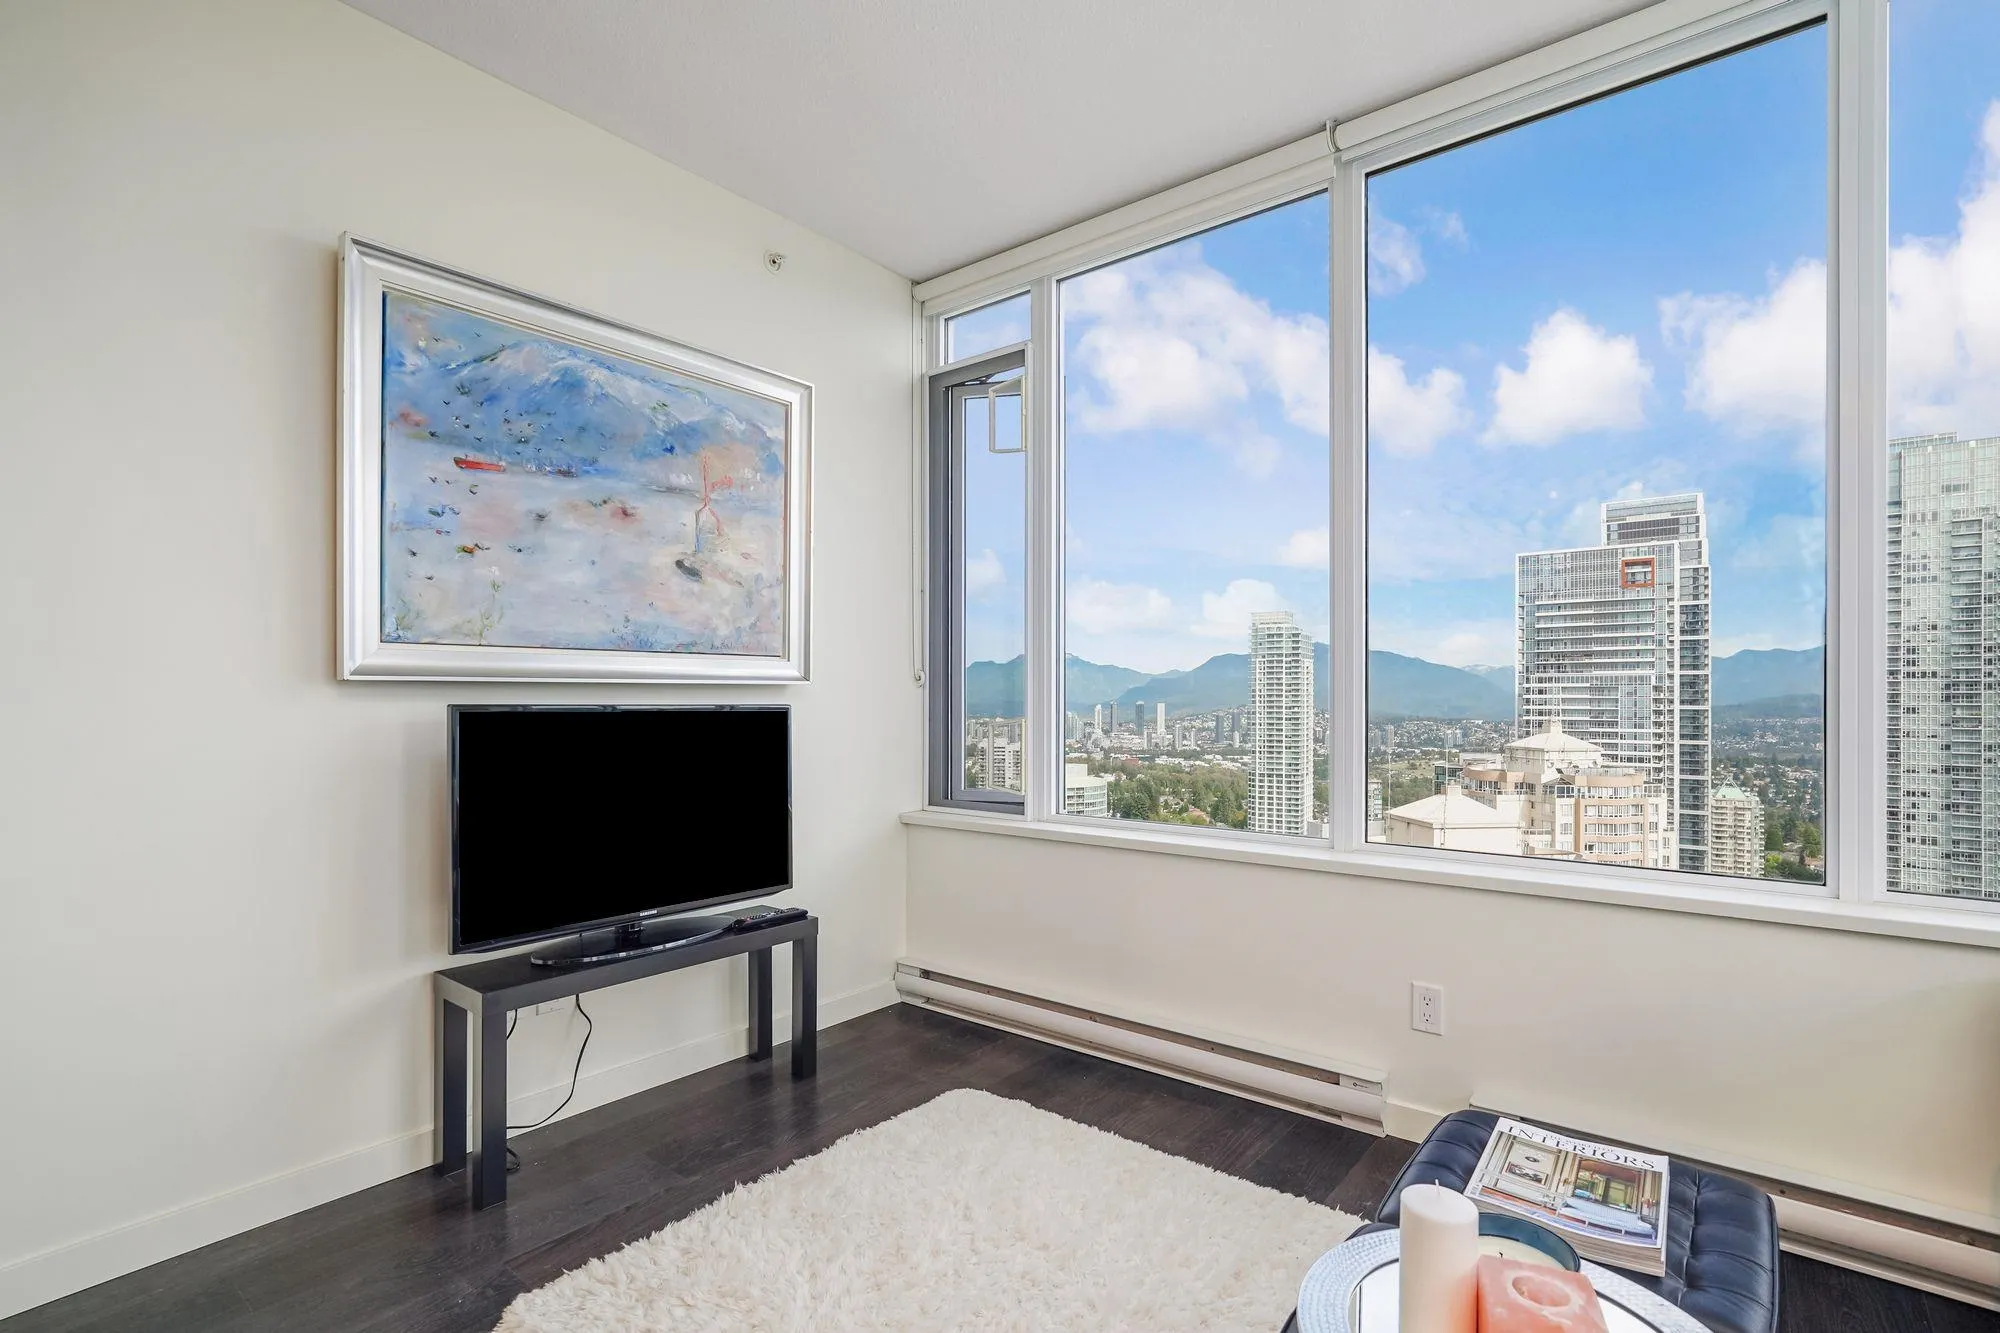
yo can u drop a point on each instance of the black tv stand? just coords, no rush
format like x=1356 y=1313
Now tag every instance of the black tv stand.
x=630 y=940
x=473 y=1002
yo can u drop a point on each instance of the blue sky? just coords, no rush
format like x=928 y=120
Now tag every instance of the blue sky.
x=1195 y=433
x=1625 y=298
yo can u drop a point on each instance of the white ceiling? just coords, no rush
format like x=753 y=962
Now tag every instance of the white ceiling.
x=929 y=133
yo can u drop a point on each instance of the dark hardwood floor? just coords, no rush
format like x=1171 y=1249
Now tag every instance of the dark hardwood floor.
x=410 y=1256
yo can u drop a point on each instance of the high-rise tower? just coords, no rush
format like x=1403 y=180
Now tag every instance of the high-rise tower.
x=1736 y=833
x=1612 y=644
x=1944 y=666
x=1281 y=703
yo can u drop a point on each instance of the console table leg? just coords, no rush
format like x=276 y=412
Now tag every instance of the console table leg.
x=805 y=1007
x=451 y=1087
x=489 y=1172
x=760 y=1004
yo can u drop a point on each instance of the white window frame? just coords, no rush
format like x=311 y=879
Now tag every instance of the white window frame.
x=1628 y=51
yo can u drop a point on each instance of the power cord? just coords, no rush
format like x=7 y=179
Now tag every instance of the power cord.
x=514 y=1158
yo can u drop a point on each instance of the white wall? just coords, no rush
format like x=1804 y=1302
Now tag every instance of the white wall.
x=1853 y=1059
x=223 y=874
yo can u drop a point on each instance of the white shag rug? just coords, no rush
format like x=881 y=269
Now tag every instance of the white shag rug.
x=970 y=1212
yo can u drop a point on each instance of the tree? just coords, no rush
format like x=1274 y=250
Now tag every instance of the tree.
x=1210 y=794
x=1778 y=867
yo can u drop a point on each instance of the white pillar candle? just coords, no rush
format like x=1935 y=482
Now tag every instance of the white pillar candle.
x=1439 y=1286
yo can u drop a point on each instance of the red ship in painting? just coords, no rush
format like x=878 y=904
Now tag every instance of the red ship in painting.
x=471 y=464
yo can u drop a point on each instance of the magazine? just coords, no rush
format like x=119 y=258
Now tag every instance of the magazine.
x=1609 y=1203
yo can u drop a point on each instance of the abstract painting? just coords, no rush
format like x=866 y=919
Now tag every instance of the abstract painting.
x=605 y=503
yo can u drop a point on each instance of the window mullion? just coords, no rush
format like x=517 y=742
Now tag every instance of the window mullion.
x=1857 y=482
x=1041 y=739
x=1347 y=643
x=927 y=353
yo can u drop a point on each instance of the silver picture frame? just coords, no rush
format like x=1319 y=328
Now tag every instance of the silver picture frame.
x=368 y=272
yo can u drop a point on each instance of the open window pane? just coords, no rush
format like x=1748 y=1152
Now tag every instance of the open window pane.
x=978 y=622
x=1195 y=484
x=993 y=576
x=986 y=329
x=1943 y=797
x=1597 y=479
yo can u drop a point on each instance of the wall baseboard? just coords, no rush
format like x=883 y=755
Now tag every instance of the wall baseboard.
x=56 y=1272
x=1315 y=1087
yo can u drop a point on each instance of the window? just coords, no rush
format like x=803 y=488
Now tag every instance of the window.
x=1943 y=585
x=978 y=648
x=1585 y=484
x=1195 y=499
x=987 y=329
x=1597 y=476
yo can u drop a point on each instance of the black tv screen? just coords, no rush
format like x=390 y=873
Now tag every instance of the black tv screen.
x=571 y=819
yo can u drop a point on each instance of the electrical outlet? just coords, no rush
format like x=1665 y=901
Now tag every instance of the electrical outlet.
x=1427 y=1007
x=554 y=1006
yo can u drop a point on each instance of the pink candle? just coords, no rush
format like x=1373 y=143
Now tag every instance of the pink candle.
x=1439 y=1283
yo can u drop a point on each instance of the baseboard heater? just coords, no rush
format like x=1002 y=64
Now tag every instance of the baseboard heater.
x=1964 y=1267
x=1350 y=1097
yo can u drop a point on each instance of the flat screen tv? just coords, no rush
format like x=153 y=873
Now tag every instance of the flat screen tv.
x=566 y=821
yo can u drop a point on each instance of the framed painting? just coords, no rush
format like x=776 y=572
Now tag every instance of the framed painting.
x=529 y=492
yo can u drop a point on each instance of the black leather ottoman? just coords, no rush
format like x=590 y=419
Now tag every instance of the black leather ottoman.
x=1722 y=1235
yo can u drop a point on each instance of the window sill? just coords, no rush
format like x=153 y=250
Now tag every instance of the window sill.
x=1945 y=925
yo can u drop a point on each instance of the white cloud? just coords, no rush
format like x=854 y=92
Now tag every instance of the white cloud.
x=1447 y=226
x=1419 y=545
x=1791 y=542
x=1758 y=364
x=1577 y=378
x=1458 y=643
x=1395 y=259
x=1944 y=313
x=1096 y=607
x=1169 y=341
x=1409 y=417
x=1468 y=647
x=1396 y=256
x=1255 y=453
x=1761 y=364
x=984 y=573
x=1226 y=615
x=1308 y=548
x=1585 y=525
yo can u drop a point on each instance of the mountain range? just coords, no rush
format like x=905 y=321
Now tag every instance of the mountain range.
x=1754 y=682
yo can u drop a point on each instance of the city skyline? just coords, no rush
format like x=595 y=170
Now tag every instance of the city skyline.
x=1605 y=755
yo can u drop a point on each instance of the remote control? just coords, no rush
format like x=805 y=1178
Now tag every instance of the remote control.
x=758 y=917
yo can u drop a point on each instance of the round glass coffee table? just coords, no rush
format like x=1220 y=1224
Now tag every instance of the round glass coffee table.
x=1353 y=1289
